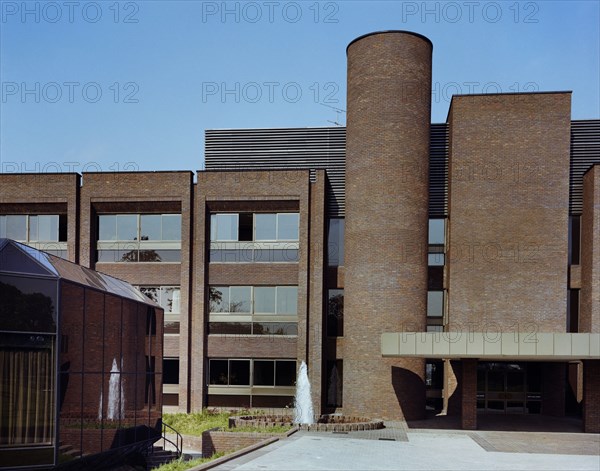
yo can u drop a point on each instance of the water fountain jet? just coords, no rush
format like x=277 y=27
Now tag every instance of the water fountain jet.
x=304 y=413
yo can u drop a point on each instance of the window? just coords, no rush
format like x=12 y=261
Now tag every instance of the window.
x=139 y=238
x=14 y=227
x=264 y=299
x=264 y=373
x=167 y=296
x=335 y=375
x=229 y=372
x=236 y=372
x=287 y=300
x=240 y=299
x=253 y=310
x=44 y=231
x=277 y=300
x=136 y=227
x=437 y=242
x=335 y=313
x=266 y=227
x=258 y=227
x=171 y=371
x=335 y=242
x=435 y=304
x=437 y=231
x=574 y=240
x=239 y=372
x=436 y=259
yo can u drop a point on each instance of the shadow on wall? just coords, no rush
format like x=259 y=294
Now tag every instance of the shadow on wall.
x=410 y=392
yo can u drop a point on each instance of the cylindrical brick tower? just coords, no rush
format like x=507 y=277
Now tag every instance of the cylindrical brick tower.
x=387 y=169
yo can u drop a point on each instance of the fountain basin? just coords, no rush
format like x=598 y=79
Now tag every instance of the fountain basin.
x=325 y=423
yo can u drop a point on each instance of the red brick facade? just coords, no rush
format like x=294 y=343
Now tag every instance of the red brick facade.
x=387 y=155
x=507 y=243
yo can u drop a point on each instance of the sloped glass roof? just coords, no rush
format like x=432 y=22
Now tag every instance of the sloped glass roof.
x=19 y=258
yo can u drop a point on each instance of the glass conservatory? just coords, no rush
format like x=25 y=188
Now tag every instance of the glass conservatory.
x=80 y=363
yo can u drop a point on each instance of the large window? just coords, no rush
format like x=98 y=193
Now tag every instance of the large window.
x=254 y=237
x=253 y=310
x=335 y=242
x=335 y=313
x=435 y=311
x=281 y=300
x=169 y=298
x=271 y=227
x=335 y=381
x=436 y=262
x=47 y=232
x=139 y=238
x=170 y=370
x=240 y=372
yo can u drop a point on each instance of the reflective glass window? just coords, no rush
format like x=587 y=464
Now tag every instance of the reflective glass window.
x=218 y=298
x=437 y=231
x=285 y=373
x=107 y=227
x=435 y=303
x=227 y=227
x=264 y=373
x=275 y=328
x=287 y=226
x=335 y=242
x=150 y=227
x=240 y=299
x=264 y=299
x=33 y=228
x=27 y=304
x=335 y=313
x=266 y=227
x=127 y=227
x=218 y=371
x=16 y=227
x=171 y=227
x=47 y=228
x=287 y=300
x=435 y=259
x=239 y=372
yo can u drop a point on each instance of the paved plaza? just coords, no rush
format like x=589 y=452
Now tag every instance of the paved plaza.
x=399 y=448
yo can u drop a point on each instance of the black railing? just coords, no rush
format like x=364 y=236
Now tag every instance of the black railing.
x=178 y=443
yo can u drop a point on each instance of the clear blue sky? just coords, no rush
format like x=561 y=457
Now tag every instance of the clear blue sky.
x=133 y=85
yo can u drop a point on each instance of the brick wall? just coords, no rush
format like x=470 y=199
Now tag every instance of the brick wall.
x=250 y=191
x=44 y=193
x=589 y=313
x=214 y=441
x=591 y=396
x=469 y=394
x=385 y=266
x=144 y=192
x=509 y=201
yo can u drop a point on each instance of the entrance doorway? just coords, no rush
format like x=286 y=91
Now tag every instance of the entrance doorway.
x=507 y=388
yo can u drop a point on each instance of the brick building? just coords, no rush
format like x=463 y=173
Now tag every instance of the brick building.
x=451 y=266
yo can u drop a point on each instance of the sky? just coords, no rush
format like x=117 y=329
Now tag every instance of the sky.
x=133 y=85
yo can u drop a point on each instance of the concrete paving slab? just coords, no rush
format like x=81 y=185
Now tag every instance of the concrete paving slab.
x=422 y=451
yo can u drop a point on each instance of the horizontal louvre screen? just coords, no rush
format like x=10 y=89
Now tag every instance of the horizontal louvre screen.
x=324 y=148
x=585 y=152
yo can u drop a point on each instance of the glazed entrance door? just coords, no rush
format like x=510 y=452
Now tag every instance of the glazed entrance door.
x=504 y=388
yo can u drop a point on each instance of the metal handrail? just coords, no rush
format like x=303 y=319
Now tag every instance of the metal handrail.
x=178 y=444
